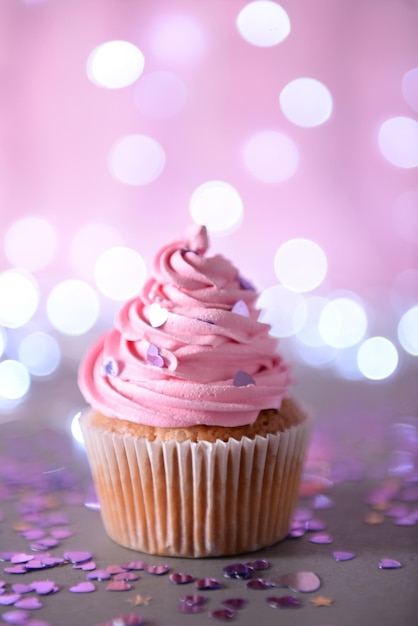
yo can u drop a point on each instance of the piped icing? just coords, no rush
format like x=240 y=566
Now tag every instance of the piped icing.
x=189 y=349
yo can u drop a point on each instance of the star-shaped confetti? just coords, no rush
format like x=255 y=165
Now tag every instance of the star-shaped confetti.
x=139 y=600
x=322 y=601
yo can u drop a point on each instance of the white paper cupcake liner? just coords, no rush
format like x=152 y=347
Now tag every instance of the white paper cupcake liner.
x=196 y=499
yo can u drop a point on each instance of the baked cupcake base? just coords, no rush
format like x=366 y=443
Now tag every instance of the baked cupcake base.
x=198 y=498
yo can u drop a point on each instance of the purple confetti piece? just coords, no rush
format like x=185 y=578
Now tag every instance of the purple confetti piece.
x=305 y=582
x=389 y=564
x=234 y=603
x=99 y=574
x=322 y=502
x=242 y=379
x=154 y=357
x=29 y=604
x=258 y=584
x=7 y=599
x=44 y=544
x=135 y=565
x=89 y=566
x=301 y=515
x=21 y=588
x=77 y=556
x=33 y=534
x=245 y=284
x=126 y=576
x=21 y=557
x=178 y=578
x=284 y=602
x=115 y=569
x=340 y=555
x=408 y=520
x=206 y=584
x=50 y=561
x=6 y=556
x=17 y=616
x=185 y=607
x=36 y=564
x=296 y=533
x=109 y=368
x=157 y=570
x=322 y=538
x=61 y=533
x=118 y=585
x=315 y=525
x=258 y=565
x=132 y=619
x=15 y=569
x=194 y=599
x=44 y=587
x=240 y=308
x=224 y=615
x=238 y=570
x=83 y=587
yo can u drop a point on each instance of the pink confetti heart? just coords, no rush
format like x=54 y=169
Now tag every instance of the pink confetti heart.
x=84 y=587
x=340 y=555
x=118 y=585
x=258 y=584
x=304 y=582
x=389 y=564
x=86 y=567
x=77 y=556
x=178 y=578
x=154 y=357
x=157 y=315
x=29 y=604
x=99 y=574
x=136 y=565
x=44 y=587
x=16 y=617
x=322 y=538
x=15 y=569
x=21 y=588
x=157 y=570
x=242 y=379
x=9 y=598
x=241 y=309
x=115 y=569
x=126 y=576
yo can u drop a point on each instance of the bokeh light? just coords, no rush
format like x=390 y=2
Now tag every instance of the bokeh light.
x=410 y=88
x=19 y=298
x=408 y=331
x=73 y=307
x=136 y=160
x=263 y=23
x=309 y=333
x=3 y=341
x=377 y=358
x=217 y=205
x=306 y=102
x=115 y=64
x=283 y=309
x=342 y=322
x=398 y=141
x=14 y=380
x=160 y=94
x=404 y=291
x=40 y=353
x=89 y=242
x=300 y=264
x=315 y=356
x=405 y=215
x=271 y=157
x=178 y=39
x=30 y=243
x=76 y=429
x=119 y=273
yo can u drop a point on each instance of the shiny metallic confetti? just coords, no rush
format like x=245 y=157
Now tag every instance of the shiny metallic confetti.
x=284 y=602
x=258 y=565
x=242 y=571
x=109 y=368
x=185 y=607
x=178 y=578
x=242 y=379
x=7 y=599
x=222 y=614
x=206 y=584
x=304 y=582
x=44 y=587
x=258 y=584
x=16 y=616
x=157 y=570
x=235 y=604
x=127 y=576
x=134 y=565
x=315 y=525
x=99 y=574
x=389 y=564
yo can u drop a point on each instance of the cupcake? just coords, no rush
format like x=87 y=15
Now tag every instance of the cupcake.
x=195 y=446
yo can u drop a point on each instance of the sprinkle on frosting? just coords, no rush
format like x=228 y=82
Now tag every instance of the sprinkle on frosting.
x=196 y=322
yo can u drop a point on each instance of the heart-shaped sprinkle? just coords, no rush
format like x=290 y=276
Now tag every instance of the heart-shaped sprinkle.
x=7 y=599
x=17 y=616
x=222 y=614
x=115 y=569
x=238 y=570
x=61 y=533
x=77 y=556
x=157 y=570
x=258 y=584
x=185 y=607
x=245 y=284
x=109 y=368
x=84 y=587
x=33 y=534
x=258 y=565
x=136 y=565
x=284 y=602
x=340 y=555
x=206 y=584
x=242 y=379
x=132 y=619
x=194 y=599
x=234 y=603
x=240 y=308
x=178 y=578
x=305 y=582
x=44 y=587
x=157 y=315
x=21 y=588
x=21 y=557
x=99 y=574
x=6 y=556
x=315 y=525
x=322 y=538
x=29 y=604
x=89 y=566
x=154 y=357
x=15 y=569
x=118 y=585
x=126 y=576
x=389 y=564
x=35 y=564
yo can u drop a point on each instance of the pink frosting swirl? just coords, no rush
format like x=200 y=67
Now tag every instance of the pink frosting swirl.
x=189 y=349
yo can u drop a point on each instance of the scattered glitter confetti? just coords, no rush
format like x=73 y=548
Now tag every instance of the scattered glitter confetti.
x=126 y=576
x=44 y=587
x=178 y=578
x=242 y=379
x=322 y=601
x=185 y=607
x=139 y=600
x=241 y=571
x=204 y=584
x=157 y=570
x=89 y=566
x=109 y=368
x=28 y=604
x=83 y=587
x=340 y=555
x=258 y=565
x=134 y=565
x=389 y=564
x=305 y=582
x=284 y=602
x=115 y=569
x=315 y=525
x=258 y=583
x=77 y=556
x=322 y=502
x=17 y=616
x=7 y=599
x=235 y=603
x=193 y=599
x=21 y=557
x=15 y=569
x=222 y=614
x=154 y=357
x=157 y=315
x=241 y=309
x=132 y=619
x=321 y=538
x=118 y=585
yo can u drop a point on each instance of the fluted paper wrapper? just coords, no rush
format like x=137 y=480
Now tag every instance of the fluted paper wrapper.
x=196 y=499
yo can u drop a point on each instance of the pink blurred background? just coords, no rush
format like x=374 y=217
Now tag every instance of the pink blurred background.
x=215 y=100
